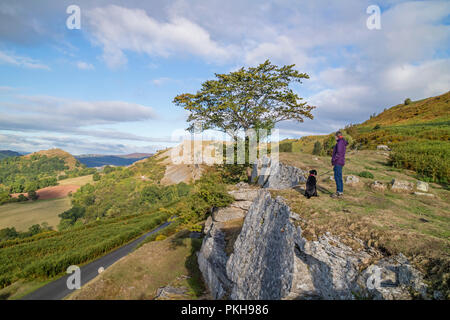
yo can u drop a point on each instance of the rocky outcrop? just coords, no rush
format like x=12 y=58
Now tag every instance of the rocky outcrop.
x=392 y=279
x=401 y=186
x=422 y=186
x=272 y=174
x=272 y=260
x=383 y=147
x=378 y=186
x=352 y=180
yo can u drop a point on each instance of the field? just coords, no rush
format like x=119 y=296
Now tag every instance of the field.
x=47 y=255
x=156 y=264
x=25 y=214
x=78 y=181
x=52 y=201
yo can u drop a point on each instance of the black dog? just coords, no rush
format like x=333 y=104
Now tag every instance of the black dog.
x=311 y=190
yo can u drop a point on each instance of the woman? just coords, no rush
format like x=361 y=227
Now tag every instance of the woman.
x=338 y=162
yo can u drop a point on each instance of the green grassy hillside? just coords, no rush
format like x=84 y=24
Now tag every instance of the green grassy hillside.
x=418 y=132
x=36 y=171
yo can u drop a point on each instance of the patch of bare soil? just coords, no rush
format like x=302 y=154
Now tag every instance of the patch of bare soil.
x=55 y=192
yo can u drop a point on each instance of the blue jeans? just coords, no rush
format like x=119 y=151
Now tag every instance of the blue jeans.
x=338 y=178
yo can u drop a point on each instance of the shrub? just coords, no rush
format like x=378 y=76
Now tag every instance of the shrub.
x=285 y=147
x=96 y=176
x=407 y=101
x=22 y=198
x=428 y=158
x=366 y=174
x=33 y=195
x=377 y=126
x=160 y=237
x=317 y=148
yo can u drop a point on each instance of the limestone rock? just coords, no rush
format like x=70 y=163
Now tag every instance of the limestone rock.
x=401 y=186
x=245 y=205
x=422 y=186
x=212 y=261
x=383 y=147
x=378 y=186
x=244 y=195
x=424 y=194
x=269 y=173
x=228 y=213
x=352 y=180
x=171 y=293
x=272 y=260
x=392 y=278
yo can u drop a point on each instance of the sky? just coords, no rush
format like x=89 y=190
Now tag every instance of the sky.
x=108 y=87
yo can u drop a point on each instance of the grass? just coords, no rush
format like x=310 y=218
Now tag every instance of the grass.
x=20 y=289
x=78 y=181
x=139 y=275
x=25 y=214
x=390 y=222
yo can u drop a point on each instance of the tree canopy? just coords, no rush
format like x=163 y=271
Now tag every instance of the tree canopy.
x=252 y=98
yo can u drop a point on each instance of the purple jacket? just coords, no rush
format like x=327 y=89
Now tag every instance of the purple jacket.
x=338 y=157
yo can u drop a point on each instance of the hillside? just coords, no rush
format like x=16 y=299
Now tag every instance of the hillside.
x=69 y=160
x=417 y=132
x=8 y=153
x=434 y=109
x=37 y=171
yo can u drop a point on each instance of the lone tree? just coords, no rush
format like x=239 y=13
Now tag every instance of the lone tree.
x=253 y=98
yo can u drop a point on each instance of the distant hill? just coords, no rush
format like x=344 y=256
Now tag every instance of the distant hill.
x=8 y=153
x=92 y=161
x=69 y=160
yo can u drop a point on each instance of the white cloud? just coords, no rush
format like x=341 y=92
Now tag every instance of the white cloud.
x=118 y=29
x=53 y=114
x=423 y=80
x=84 y=65
x=21 y=61
x=354 y=71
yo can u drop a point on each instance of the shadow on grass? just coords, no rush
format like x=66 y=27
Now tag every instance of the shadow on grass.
x=195 y=280
x=301 y=190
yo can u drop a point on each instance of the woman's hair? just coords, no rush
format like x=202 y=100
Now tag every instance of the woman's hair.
x=338 y=133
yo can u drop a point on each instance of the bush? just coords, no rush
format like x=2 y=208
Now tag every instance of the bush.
x=407 y=101
x=22 y=198
x=285 y=147
x=366 y=174
x=377 y=126
x=317 y=148
x=428 y=158
x=96 y=176
x=160 y=237
x=33 y=195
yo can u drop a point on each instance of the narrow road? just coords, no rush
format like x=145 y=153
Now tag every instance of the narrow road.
x=57 y=290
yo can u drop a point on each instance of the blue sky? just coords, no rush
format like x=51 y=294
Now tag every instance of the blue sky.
x=108 y=87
